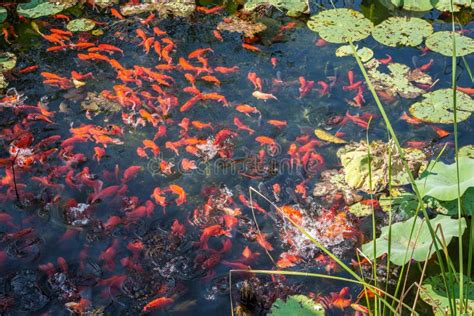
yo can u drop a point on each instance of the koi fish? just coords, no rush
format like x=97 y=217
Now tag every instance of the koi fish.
x=178 y=229
x=158 y=31
x=264 y=140
x=217 y=35
x=385 y=61
x=263 y=96
x=261 y=240
x=116 y=14
x=158 y=197
x=176 y=189
x=251 y=48
x=242 y=126
x=305 y=86
x=469 y=91
x=226 y=70
x=187 y=164
x=199 y=52
x=441 y=132
x=200 y=125
x=130 y=172
x=210 y=10
x=256 y=81
x=279 y=124
x=411 y=120
x=188 y=104
x=157 y=303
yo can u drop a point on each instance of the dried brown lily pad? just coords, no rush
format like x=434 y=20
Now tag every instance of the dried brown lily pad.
x=248 y=28
x=97 y=103
x=355 y=161
x=164 y=7
x=401 y=80
x=332 y=183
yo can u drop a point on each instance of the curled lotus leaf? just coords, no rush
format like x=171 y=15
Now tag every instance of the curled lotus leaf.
x=400 y=81
x=402 y=31
x=365 y=54
x=420 y=246
x=38 y=8
x=445 y=5
x=292 y=7
x=341 y=25
x=235 y=24
x=80 y=25
x=466 y=151
x=433 y=292
x=3 y=14
x=297 y=305
x=355 y=160
x=440 y=180
x=442 y=42
x=437 y=107
x=7 y=61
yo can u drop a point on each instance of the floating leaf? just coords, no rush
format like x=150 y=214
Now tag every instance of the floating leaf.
x=442 y=42
x=402 y=31
x=419 y=247
x=437 y=107
x=360 y=210
x=467 y=204
x=400 y=81
x=80 y=25
x=466 y=151
x=445 y=5
x=409 y=5
x=323 y=135
x=440 y=180
x=300 y=305
x=355 y=160
x=340 y=25
x=38 y=8
x=433 y=292
x=293 y=7
x=3 y=14
x=365 y=53
x=235 y=24
x=332 y=182
x=105 y=3
x=399 y=201
x=7 y=61
x=181 y=8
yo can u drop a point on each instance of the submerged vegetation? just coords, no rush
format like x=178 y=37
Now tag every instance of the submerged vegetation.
x=287 y=157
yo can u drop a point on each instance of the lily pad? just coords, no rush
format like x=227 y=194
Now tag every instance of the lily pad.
x=400 y=202
x=360 y=210
x=3 y=14
x=365 y=54
x=466 y=151
x=7 y=61
x=300 y=305
x=355 y=160
x=235 y=24
x=442 y=42
x=341 y=25
x=467 y=204
x=400 y=81
x=181 y=8
x=401 y=31
x=332 y=182
x=437 y=107
x=433 y=292
x=38 y=8
x=419 y=248
x=445 y=5
x=80 y=25
x=293 y=7
x=409 y=5
x=440 y=180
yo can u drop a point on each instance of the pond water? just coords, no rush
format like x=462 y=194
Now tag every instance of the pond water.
x=121 y=193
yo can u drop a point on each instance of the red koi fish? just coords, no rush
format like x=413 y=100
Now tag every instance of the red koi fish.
x=130 y=172
x=261 y=240
x=178 y=229
x=277 y=123
x=242 y=126
x=226 y=70
x=265 y=140
x=256 y=81
x=157 y=303
x=251 y=48
x=305 y=86
x=209 y=10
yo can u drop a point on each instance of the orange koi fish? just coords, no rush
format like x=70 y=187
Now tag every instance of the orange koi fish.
x=217 y=35
x=116 y=14
x=176 y=189
x=242 y=126
x=286 y=260
x=251 y=48
x=469 y=91
x=157 y=303
x=158 y=31
x=441 y=132
x=148 y=19
x=412 y=120
x=263 y=242
x=256 y=81
x=130 y=172
x=200 y=125
x=151 y=145
x=279 y=124
x=199 y=52
x=211 y=79
x=158 y=197
x=188 y=104
x=246 y=109
x=178 y=229
x=209 y=10
x=226 y=70
x=187 y=164
x=265 y=140
x=142 y=35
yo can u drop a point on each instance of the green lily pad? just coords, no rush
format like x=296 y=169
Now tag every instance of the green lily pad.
x=437 y=107
x=467 y=204
x=419 y=248
x=433 y=292
x=442 y=42
x=440 y=180
x=400 y=81
x=399 y=202
x=466 y=151
x=355 y=160
x=293 y=7
x=7 y=61
x=365 y=54
x=300 y=305
x=360 y=210
x=3 y=14
x=341 y=25
x=80 y=25
x=445 y=5
x=400 y=31
x=38 y=8
x=409 y=5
